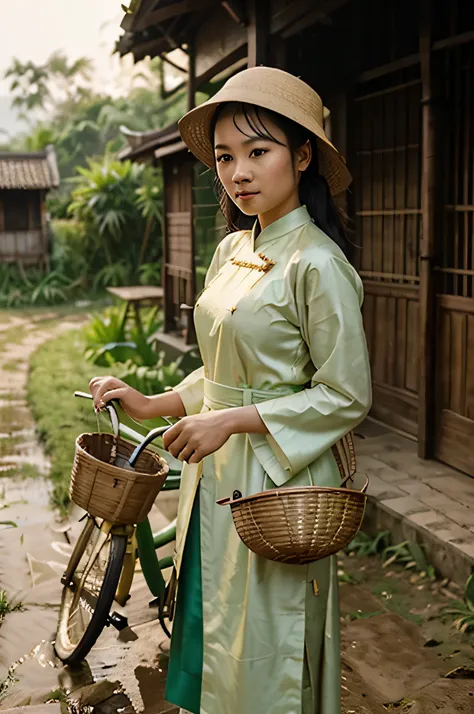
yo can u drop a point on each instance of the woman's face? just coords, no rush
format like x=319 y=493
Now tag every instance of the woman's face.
x=259 y=175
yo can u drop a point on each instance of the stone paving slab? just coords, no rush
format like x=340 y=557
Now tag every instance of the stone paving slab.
x=422 y=500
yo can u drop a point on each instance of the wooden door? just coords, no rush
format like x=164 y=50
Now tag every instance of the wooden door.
x=178 y=244
x=386 y=157
x=454 y=442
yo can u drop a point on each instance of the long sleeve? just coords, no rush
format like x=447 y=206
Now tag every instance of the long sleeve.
x=302 y=426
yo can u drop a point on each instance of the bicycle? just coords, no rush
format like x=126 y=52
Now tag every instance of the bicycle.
x=102 y=565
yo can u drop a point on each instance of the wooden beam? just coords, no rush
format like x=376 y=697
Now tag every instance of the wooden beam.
x=236 y=11
x=166 y=59
x=191 y=77
x=388 y=68
x=220 y=66
x=410 y=60
x=289 y=14
x=257 y=32
x=454 y=41
x=169 y=11
x=319 y=14
x=427 y=293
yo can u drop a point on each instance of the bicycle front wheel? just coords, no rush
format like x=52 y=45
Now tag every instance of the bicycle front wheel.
x=90 y=583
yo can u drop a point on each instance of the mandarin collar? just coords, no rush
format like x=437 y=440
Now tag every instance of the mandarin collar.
x=291 y=221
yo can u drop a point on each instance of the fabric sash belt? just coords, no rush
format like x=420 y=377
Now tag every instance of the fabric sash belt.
x=220 y=396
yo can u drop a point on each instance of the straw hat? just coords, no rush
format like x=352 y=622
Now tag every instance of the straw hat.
x=280 y=92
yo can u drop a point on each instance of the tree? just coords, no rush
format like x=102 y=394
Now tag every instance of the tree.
x=119 y=205
x=44 y=88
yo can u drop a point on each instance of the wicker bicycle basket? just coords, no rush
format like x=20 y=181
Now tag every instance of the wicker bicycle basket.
x=298 y=525
x=107 y=491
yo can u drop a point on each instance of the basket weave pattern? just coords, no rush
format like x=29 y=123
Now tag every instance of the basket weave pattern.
x=110 y=492
x=299 y=525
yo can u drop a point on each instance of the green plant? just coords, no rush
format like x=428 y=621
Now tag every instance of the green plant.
x=120 y=218
x=464 y=613
x=150 y=274
x=105 y=327
x=364 y=545
x=152 y=380
x=20 y=288
x=6 y=606
x=110 y=341
x=410 y=555
x=57 y=695
x=71 y=252
x=112 y=275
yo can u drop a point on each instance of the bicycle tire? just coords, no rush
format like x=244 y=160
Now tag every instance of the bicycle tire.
x=71 y=652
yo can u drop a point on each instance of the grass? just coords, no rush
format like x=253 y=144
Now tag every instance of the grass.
x=11 y=366
x=57 y=369
x=6 y=606
x=20 y=471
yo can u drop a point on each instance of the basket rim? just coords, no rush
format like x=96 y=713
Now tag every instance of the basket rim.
x=293 y=491
x=156 y=457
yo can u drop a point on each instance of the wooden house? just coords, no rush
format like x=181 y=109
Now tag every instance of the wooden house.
x=25 y=179
x=398 y=79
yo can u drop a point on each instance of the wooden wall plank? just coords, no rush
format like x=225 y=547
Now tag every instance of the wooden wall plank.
x=379 y=355
x=457 y=363
x=412 y=377
x=392 y=347
x=469 y=410
x=401 y=338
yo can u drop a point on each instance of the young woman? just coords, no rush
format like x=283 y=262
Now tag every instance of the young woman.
x=285 y=376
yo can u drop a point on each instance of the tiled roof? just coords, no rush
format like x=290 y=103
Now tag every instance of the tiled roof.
x=29 y=170
x=143 y=143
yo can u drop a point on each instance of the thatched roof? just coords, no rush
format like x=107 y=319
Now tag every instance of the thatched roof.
x=29 y=171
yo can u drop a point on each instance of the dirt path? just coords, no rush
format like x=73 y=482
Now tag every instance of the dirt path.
x=396 y=649
x=30 y=549
x=34 y=548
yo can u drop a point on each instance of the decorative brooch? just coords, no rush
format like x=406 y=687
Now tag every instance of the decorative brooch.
x=268 y=264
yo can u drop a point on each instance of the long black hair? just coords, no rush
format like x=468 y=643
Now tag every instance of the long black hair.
x=313 y=188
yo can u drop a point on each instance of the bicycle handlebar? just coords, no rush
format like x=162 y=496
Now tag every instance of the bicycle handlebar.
x=117 y=427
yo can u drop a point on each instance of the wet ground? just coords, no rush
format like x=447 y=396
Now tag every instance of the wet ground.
x=397 y=648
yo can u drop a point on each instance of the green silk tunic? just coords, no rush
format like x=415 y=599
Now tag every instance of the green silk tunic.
x=290 y=340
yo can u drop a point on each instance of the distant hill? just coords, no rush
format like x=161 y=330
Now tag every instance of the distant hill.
x=9 y=122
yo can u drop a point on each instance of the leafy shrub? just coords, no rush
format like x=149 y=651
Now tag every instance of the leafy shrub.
x=109 y=341
x=113 y=276
x=70 y=248
x=152 y=380
x=118 y=203
x=19 y=288
x=105 y=327
x=150 y=274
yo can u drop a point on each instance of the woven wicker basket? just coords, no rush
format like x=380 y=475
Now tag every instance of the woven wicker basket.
x=298 y=525
x=110 y=492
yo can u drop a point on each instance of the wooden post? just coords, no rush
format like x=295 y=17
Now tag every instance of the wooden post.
x=426 y=393
x=166 y=280
x=191 y=76
x=257 y=32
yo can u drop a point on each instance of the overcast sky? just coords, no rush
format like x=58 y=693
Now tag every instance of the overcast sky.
x=33 y=29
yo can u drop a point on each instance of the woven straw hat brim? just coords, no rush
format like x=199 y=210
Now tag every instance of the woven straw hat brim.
x=277 y=91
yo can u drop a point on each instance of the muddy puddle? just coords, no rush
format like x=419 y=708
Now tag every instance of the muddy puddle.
x=125 y=672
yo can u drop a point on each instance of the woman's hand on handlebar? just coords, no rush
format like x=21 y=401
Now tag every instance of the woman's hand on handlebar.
x=103 y=389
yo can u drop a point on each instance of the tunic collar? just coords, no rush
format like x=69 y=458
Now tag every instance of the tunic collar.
x=293 y=220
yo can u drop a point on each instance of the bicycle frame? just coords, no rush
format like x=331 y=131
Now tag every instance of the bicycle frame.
x=143 y=542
